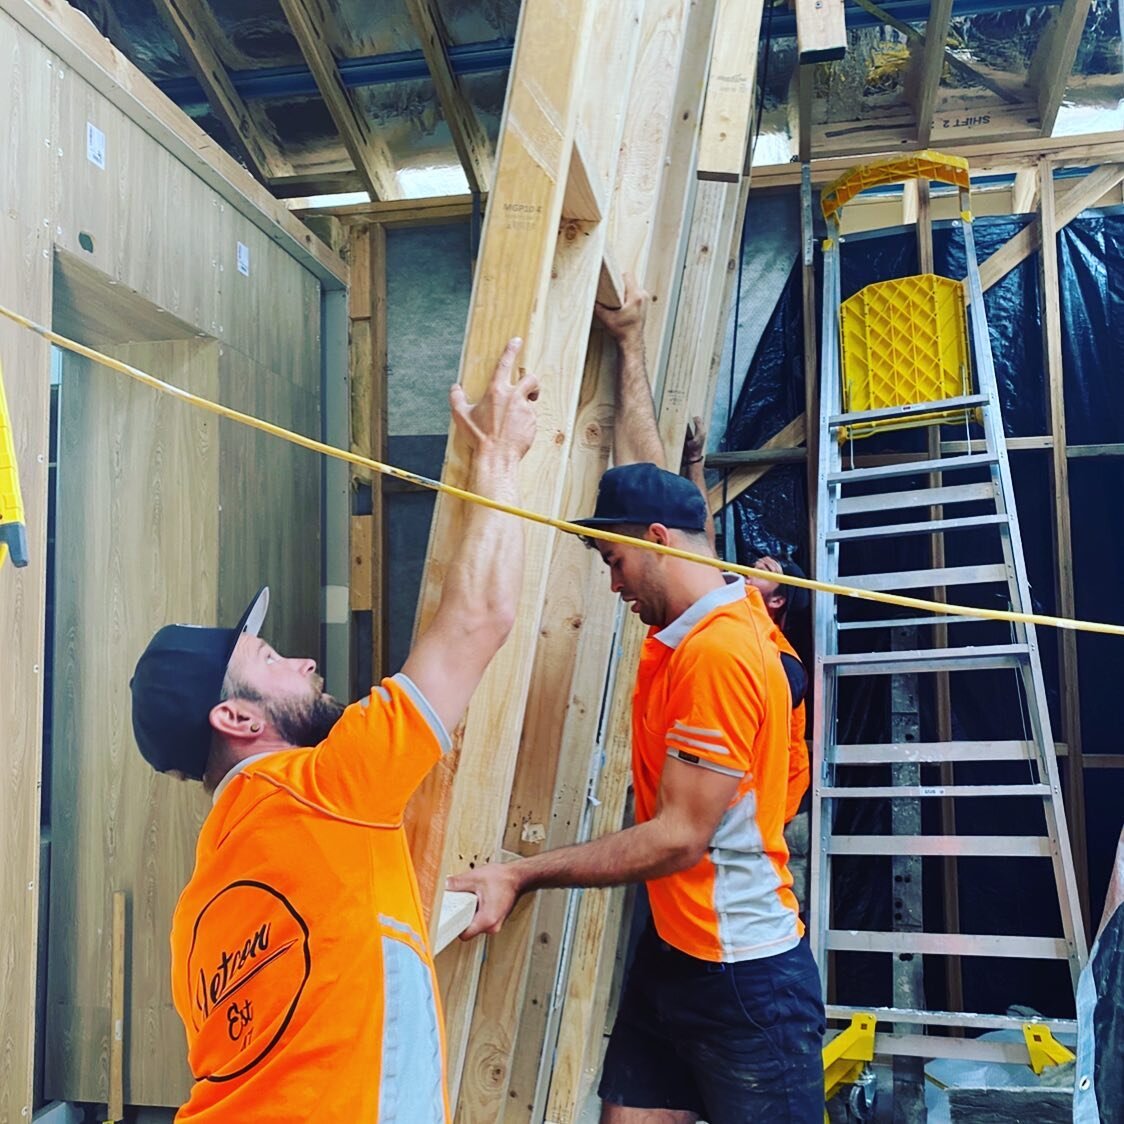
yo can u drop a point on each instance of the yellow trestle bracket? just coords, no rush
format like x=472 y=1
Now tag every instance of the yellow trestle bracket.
x=13 y=531
x=846 y=1055
x=1044 y=1049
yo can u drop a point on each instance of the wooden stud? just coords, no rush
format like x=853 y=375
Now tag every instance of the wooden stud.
x=191 y=25
x=929 y=63
x=311 y=24
x=821 y=31
x=1063 y=537
x=731 y=90
x=1024 y=192
x=737 y=481
x=1052 y=65
x=393 y=213
x=584 y=200
x=115 y=1099
x=469 y=138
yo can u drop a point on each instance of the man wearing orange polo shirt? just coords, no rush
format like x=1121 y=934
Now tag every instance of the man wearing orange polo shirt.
x=300 y=964
x=721 y=1017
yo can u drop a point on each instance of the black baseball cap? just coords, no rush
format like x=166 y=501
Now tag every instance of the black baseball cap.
x=797 y=598
x=645 y=493
x=178 y=679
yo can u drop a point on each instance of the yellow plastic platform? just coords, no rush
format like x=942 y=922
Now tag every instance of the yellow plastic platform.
x=927 y=165
x=904 y=341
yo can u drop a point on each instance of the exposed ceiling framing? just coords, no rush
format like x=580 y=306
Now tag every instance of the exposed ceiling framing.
x=341 y=95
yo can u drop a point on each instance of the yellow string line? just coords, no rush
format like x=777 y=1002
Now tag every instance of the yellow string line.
x=942 y=607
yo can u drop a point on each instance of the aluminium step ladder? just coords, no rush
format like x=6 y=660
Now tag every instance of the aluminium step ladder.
x=901 y=354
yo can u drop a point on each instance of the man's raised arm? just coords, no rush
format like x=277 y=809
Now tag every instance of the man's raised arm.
x=481 y=586
x=636 y=437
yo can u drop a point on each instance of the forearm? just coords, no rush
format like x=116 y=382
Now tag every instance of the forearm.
x=636 y=434
x=695 y=471
x=483 y=580
x=647 y=850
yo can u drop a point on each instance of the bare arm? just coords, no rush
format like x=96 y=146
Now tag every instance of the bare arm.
x=481 y=586
x=636 y=436
x=690 y=804
x=693 y=467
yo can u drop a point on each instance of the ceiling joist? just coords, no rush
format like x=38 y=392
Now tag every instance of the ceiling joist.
x=469 y=137
x=1052 y=65
x=189 y=23
x=927 y=67
x=311 y=24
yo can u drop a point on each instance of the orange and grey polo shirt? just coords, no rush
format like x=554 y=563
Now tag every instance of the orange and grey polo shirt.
x=300 y=965
x=711 y=691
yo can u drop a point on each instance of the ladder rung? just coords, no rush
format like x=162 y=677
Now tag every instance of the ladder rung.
x=949 y=944
x=964 y=846
x=911 y=468
x=929 y=659
x=916 y=497
x=928 y=579
x=910 y=622
x=960 y=1049
x=967 y=1019
x=922 y=791
x=921 y=527
x=931 y=753
x=908 y=410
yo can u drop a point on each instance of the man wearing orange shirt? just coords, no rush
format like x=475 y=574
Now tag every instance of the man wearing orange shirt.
x=300 y=964
x=721 y=1016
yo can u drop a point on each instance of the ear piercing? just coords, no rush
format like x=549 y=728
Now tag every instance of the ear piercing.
x=255 y=727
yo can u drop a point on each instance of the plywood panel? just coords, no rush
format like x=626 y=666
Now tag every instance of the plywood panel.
x=25 y=284
x=137 y=547
x=269 y=496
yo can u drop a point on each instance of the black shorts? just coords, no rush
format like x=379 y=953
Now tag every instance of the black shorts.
x=731 y=1042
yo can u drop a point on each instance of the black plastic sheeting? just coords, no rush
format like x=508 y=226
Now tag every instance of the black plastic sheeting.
x=771 y=517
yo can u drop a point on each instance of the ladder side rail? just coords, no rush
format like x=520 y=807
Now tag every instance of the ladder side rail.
x=1072 y=923
x=825 y=632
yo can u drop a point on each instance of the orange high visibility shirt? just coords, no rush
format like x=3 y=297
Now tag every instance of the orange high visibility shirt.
x=799 y=769
x=711 y=691
x=300 y=964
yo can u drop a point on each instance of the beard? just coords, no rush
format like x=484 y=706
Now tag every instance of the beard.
x=307 y=722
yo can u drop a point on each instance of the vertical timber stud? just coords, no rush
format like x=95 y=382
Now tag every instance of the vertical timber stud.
x=641 y=47
x=926 y=65
x=367 y=366
x=457 y=816
x=730 y=87
x=821 y=31
x=1063 y=552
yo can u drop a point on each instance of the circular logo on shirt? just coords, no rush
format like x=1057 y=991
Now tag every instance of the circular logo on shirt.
x=248 y=964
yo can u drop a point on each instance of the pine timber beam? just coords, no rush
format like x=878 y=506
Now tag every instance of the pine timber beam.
x=190 y=24
x=538 y=282
x=821 y=31
x=312 y=24
x=1063 y=537
x=367 y=368
x=511 y=1029
x=730 y=91
x=1000 y=155
x=70 y=35
x=690 y=368
x=1024 y=191
x=1082 y=195
x=1052 y=65
x=928 y=65
x=469 y=137
x=394 y=213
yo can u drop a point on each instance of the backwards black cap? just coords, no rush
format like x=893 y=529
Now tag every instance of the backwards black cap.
x=645 y=493
x=177 y=681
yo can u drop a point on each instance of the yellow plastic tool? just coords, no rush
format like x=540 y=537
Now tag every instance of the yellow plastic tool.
x=1044 y=1049
x=927 y=165
x=13 y=532
x=904 y=341
x=845 y=1056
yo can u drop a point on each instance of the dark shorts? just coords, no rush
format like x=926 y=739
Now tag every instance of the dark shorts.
x=733 y=1043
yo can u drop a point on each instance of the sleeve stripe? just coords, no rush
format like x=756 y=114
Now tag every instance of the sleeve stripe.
x=426 y=708
x=691 y=759
x=676 y=738
x=699 y=731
